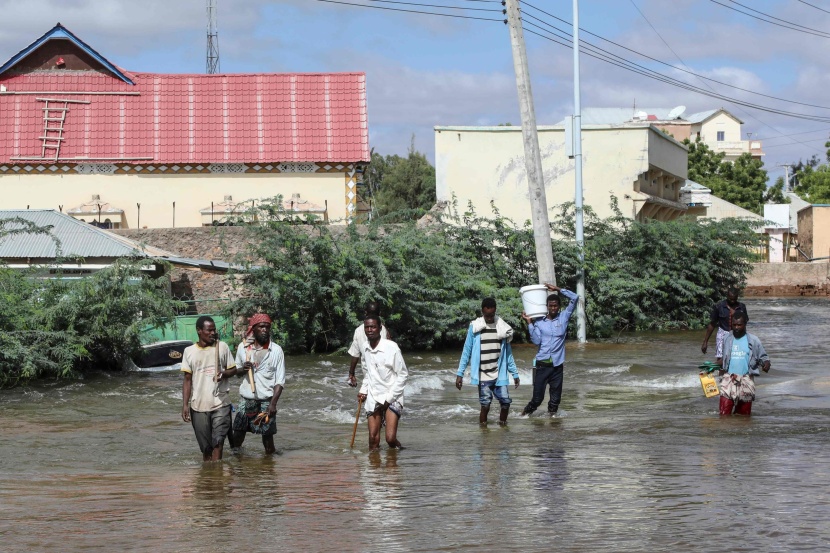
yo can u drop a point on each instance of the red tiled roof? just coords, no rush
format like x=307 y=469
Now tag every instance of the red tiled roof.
x=190 y=119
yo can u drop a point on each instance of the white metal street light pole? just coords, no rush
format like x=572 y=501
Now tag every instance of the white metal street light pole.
x=577 y=151
x=533 y=157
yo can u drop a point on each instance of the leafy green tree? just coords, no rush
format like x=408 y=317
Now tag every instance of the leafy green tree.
x=404 y=187
x=775 y=193
x=704 y=163
x=813 y=184
x=742 y=182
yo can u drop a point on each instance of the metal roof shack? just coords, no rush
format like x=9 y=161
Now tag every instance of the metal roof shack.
x=71 y=247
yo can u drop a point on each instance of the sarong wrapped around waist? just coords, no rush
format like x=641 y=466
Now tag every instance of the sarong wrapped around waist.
x=739 y=389
x=249 y=410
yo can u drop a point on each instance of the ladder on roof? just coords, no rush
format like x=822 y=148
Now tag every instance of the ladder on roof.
x=54 y=116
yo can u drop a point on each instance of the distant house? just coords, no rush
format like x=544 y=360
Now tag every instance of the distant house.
x=717 y=128
x=73 y=249
x=814 y=232
x=641 y=166
x=130 y=150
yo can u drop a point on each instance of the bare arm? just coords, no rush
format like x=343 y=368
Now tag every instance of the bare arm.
x=352 y=367
x=272 y=408
x=709 y=328
x=187 y=388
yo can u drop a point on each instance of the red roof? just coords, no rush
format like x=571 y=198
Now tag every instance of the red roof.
x=193 y=119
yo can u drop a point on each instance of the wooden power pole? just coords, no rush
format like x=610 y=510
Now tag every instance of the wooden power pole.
x=533 y=157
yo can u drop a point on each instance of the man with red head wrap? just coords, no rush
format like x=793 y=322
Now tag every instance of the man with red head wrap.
x=258 y=405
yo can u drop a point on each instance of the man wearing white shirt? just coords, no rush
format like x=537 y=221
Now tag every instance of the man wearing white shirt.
x=258 y=406
x=384 y=383
x=359 y=339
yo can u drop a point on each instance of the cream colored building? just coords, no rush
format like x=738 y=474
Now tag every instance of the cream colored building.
x=717 y=128
x=640 y=165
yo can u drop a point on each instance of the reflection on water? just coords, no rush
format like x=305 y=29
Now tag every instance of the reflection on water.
x=638 y=460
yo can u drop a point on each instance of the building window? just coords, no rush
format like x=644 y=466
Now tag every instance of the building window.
x=721 y=136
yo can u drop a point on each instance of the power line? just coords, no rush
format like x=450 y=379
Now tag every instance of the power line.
x=410 y=11
x=435 y=6
x=812 y=6
x=705 y=83
x=681 y=84
x=688 y=71
x=806 y=30
x=644 y=71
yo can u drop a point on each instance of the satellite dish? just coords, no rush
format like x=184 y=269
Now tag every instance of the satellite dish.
x=676 y=113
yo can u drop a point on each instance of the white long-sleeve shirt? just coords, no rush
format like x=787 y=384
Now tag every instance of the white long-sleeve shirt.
x=386 y=372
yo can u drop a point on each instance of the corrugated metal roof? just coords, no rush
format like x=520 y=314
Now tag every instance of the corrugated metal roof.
x=77 y=239
x=189 y=119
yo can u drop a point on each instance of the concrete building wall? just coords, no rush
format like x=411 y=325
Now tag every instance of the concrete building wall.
x=484 y=164
x=157 y=192
x=805 y=230
x=788 y=279
x=814 y=231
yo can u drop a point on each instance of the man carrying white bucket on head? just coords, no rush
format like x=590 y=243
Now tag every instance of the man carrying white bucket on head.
x=549 y=333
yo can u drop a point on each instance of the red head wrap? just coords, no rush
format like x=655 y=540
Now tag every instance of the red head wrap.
x=255 y=320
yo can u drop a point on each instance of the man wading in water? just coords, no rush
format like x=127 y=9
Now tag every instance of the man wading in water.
x=549 y=334
x=487 y=350
x=743 y=354
x=721 y=318
x=206 y=402
x=383 y=385
x=258 y=407
x=356 y=349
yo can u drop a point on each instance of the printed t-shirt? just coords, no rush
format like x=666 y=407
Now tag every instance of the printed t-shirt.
x=739 y=360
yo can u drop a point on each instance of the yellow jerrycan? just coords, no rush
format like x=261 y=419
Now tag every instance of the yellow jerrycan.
x=708 y=380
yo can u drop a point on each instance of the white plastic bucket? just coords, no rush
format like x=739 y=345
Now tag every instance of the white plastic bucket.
x=535 y=300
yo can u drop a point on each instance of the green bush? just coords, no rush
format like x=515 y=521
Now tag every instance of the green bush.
x=430 y=279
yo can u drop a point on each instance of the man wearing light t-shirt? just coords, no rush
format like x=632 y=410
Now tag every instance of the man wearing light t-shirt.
x=206 y=402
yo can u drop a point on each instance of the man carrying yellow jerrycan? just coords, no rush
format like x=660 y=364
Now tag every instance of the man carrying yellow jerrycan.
x=743 y=356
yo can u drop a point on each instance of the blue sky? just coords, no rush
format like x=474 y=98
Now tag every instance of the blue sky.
x=424 y=70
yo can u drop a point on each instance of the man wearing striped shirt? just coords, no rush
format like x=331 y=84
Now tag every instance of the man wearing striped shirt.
x=488 y=353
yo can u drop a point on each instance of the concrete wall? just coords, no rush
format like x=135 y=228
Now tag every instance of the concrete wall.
x=484 y=164
x=157 y=192
x=789 y=279
x=218 y=243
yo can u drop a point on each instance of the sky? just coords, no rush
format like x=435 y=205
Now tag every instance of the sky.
x=428 y=70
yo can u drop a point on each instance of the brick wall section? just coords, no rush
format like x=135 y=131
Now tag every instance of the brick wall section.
x=789 y=279
x=212 y=243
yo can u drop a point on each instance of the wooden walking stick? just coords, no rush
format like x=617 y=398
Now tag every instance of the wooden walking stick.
x=250 y=371
x=356 y=420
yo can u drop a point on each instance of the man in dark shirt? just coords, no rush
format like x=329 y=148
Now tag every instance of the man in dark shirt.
x=721 y=318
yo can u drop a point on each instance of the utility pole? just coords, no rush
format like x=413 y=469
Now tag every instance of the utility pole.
x=787 y=187
x=533 y=157
x=212 y=62
x=577 y=149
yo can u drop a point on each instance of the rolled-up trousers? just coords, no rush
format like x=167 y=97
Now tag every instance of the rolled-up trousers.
x=546 y=377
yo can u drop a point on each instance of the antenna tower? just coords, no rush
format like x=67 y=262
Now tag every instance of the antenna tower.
x=212 y=64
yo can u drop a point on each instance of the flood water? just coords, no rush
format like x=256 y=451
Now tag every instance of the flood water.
x=637 y=460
